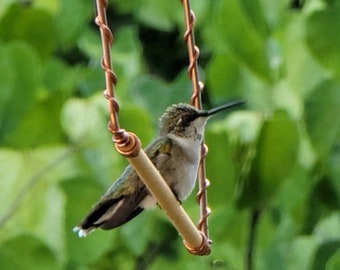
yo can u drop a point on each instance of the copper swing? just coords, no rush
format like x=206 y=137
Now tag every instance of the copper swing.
x=195 y=239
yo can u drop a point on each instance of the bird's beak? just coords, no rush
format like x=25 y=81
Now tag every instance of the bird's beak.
x=223 y=107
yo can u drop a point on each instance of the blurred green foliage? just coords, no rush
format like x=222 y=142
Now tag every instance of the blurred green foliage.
x=274 y=167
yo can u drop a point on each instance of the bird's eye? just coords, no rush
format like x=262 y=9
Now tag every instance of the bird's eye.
x=185 y=120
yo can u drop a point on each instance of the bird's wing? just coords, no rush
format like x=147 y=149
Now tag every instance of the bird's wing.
x=159 y=151
x=121 y=202
x=117 y=206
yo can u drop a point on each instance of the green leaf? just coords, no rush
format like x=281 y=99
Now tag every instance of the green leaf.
x=229 y=246
x=323 y=43
x=159 y=14
x=27 y=252
x=116 y=257
x=127 y=54
x=46 y=113
x=32 y=198
x=274 y=242
x=301 y=253
x=81 y=194
x=321 y=108
x=226 y=69
x=219 y=167
x=334 y=170
x=71 y=19
x=323 y=253
x=137 y=120
x=151 y=92
x=303 y=71
x=11 y=164
x=334 y=262
x=277 y=150
x=327 y=234
x=275 y=159
x=244 y=129
x=231 y=145
x=19 y=75
x=84 y=119
x=248 y=47
x=59 y=79
x=157 y=231
x=127 y=6
x=85 y=122
x=33 y=26
x=328 y=228
x=254 y=11
x=51 y=6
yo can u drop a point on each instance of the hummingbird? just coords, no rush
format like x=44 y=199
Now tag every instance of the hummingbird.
x=175 y=152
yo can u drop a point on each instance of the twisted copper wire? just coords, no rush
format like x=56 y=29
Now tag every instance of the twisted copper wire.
x=195 y=100
x=126 y=143
x=193 y=51
x=201 y=196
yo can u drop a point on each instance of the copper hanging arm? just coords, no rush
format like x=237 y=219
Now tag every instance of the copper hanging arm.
x=126 y=143
x=193 y=52
x=110 y=76
x=195 y=100
x=201 y=196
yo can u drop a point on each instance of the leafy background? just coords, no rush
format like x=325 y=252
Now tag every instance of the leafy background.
x=274 y=167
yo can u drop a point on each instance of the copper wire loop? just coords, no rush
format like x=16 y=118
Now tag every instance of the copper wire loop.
x=204 y=150
x=191 y=67
x=201 y=192
x=113 y=102
x=108 y=71
x=105 y=28
x=203 y=249
x=196 y=94
x=203 y=219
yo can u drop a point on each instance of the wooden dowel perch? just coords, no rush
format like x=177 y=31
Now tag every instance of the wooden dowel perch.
x=194 y=240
